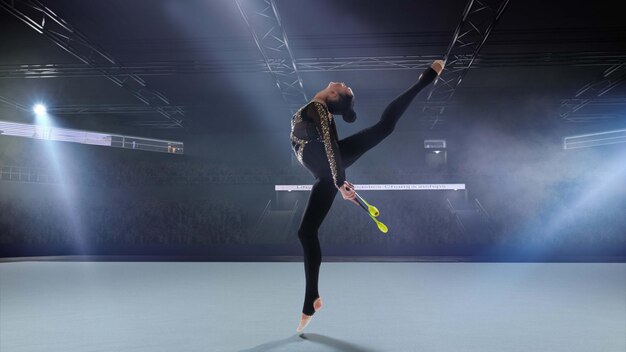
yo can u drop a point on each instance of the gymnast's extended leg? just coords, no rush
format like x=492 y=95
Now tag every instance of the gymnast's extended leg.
x=353 y=147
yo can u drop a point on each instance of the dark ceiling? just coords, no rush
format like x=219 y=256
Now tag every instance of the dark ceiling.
x=214 y=71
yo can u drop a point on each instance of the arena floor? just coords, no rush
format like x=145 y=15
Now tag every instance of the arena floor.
x=255 y=306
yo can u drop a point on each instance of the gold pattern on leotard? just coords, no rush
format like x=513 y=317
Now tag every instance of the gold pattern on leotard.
x=324 y=118
x=297 y=117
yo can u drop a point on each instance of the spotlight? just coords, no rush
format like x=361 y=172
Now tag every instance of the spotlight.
x=39 y=109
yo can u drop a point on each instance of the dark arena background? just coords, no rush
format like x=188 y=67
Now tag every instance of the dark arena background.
x=150 y=199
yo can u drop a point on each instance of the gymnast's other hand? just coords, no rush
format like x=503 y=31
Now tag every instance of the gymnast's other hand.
x=347 y=192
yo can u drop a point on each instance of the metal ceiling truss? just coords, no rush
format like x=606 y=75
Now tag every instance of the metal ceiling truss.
x=46 y=22
x=370 y=63
x=79 y=109
x=264 y=23
x=13 y=103
x=477 y=21
x=377 y=99
x=588 y=94
x=156 y=124
x=378 y=63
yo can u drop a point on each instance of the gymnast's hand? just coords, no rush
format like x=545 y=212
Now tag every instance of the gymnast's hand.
x=347 y=192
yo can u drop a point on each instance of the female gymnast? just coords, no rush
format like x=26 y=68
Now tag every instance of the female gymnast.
x=315 y=142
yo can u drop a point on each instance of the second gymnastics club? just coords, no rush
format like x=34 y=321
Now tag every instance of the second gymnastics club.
x=371 y=210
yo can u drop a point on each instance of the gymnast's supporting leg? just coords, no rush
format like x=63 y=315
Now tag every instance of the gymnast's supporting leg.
x=353 y=147
x=319 y=203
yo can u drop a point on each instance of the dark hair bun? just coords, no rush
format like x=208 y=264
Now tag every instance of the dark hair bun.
x=349 y=116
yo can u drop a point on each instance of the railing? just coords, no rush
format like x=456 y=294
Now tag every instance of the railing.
x=26 y=174
x=485 y=215
x=482 y=210
x=256 y=227
x=456 y=216
x=289 y=224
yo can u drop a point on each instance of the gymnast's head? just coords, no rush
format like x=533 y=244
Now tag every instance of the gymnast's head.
x=340 y=100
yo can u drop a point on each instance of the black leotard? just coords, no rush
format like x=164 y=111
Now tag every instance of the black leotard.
x=313 y=123
x=315 y=142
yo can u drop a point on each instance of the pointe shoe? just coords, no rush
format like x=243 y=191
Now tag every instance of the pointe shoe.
x=438 y=65
x=306 y=319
